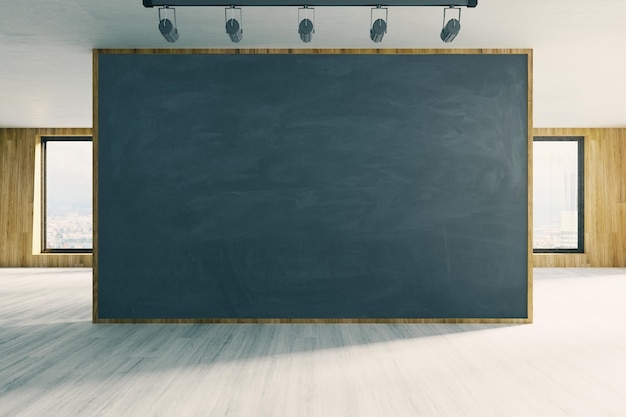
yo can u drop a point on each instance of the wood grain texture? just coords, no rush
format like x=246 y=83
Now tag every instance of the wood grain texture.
x=314 y=51
x=95 y=142
x=530 y=186
x=314 y=321
x=605 y=199
x=571 y=362
x=17 y=190
x=97 y=52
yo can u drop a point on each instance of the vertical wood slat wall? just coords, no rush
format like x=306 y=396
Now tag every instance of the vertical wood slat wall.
x=17 y=188
x=605 y=200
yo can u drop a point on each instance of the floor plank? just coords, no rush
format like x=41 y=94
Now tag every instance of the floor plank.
x=570 y=362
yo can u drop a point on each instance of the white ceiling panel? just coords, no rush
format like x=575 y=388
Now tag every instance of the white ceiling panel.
x=579 y=49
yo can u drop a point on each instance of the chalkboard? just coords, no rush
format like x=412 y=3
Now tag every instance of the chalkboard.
x=312 y=186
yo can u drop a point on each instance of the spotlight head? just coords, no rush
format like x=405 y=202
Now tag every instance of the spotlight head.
x=450 y=30
x=306 y=23
x=168 y=30
x=167 y=27
x=378 y=30
x=378 y=26
x=233 y=29
x=306 y=30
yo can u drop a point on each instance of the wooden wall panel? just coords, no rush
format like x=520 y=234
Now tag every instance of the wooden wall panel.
x=17 y=187
x=605 y=200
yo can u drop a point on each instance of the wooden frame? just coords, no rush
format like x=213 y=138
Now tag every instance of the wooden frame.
x=527 y=52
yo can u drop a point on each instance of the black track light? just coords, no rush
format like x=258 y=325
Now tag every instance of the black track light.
x=305 y=29
x=233 y=23
x=378 y=30
x=306 y=26
x=233 y=28
x=378 y=27
x=452 y=27
x=168 y=27
x=379 y=21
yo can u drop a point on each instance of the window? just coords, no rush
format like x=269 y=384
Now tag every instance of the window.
x=67 y=194
x=558 y=195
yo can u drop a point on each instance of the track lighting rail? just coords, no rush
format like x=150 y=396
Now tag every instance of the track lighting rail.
x=312 y=3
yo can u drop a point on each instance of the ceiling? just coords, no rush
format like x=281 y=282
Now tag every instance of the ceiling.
x=579 y=49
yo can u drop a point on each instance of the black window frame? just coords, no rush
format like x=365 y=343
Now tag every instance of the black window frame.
x=581 y=192
x=44 y=183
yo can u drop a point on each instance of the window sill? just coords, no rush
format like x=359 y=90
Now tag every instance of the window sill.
x=62 y=253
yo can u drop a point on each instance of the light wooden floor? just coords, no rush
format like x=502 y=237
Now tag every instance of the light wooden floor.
x=571 y=362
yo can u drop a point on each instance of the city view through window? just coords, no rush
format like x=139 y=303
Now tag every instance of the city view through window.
x=68 y=189
x=555 y=194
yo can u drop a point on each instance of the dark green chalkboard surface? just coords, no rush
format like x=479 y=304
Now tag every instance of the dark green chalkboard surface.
x=312 y=186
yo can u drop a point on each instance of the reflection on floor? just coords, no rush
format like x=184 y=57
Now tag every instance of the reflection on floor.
x=570 y=362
